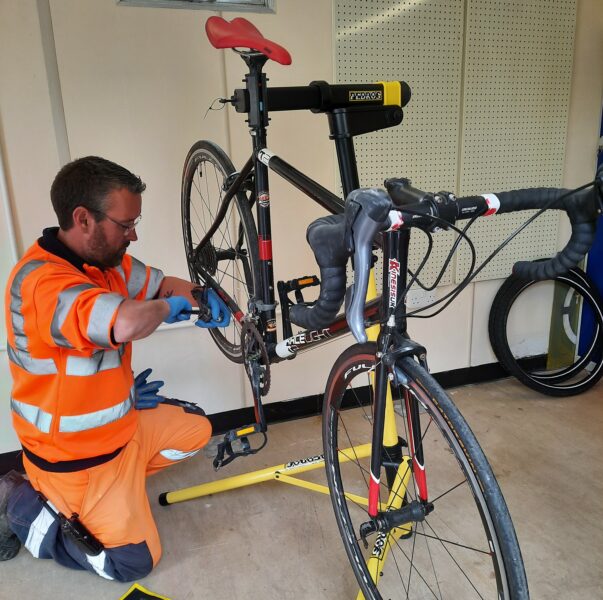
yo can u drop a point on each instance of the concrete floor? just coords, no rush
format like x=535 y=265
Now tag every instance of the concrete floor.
x=275 y=541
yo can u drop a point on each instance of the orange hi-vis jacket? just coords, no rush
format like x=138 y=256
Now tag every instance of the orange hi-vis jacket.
x=73 y=394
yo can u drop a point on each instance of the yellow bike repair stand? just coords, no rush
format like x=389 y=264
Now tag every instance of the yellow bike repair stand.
x=287 y=472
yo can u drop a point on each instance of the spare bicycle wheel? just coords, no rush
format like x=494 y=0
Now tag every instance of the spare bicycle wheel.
x=549 y=334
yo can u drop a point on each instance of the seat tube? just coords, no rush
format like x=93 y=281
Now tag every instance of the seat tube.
x=262 y=191
x=258 y=121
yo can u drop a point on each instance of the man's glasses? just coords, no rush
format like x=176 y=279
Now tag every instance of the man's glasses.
x=127 y=228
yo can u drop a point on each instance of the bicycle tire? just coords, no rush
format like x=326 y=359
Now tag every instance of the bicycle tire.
x=469 y=533
x=205 y=170
x=583 y=370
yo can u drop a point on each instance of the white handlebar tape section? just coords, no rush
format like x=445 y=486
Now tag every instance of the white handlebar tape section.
x=493 y=204
x=395 y=220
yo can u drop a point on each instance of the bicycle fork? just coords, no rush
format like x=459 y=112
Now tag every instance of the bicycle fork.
x=394 y=519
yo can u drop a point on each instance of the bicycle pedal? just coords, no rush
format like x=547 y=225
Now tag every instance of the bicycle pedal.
x=236 y=443
x=297 y=285
x=300 y=283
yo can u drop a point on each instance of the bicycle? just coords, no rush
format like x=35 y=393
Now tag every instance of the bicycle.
x=382 y=410
x=561 y=353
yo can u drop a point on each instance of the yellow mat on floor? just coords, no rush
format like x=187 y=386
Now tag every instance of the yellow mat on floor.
x=137 y=592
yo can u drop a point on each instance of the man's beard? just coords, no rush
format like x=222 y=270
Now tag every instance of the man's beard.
x=100 y=255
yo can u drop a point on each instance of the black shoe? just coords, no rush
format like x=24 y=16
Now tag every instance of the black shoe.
x=9 y=543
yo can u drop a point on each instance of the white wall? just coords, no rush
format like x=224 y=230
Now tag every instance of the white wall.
x=134 y=84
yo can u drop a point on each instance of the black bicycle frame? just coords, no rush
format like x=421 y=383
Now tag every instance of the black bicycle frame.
x=344 y=124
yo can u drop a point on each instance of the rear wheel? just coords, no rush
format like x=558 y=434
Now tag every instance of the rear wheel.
x=549 y=334
x=466 y=546
x=230 y=256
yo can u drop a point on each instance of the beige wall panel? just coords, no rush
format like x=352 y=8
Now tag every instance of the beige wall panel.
x=26 y=129
x=422 y=44
x=29 y=153
x=517 y=86
x=580 y=149
x=446 y=336
x=192 y=367
x=136 y=84
x=483 y=294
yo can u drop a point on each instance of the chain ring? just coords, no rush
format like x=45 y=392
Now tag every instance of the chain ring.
x=255 y=356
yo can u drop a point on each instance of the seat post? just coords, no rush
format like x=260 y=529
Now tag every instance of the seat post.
x=255 y=82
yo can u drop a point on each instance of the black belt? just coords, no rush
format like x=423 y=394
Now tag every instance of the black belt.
x=69 y=466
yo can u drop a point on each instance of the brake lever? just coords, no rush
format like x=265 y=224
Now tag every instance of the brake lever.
x=366 y=214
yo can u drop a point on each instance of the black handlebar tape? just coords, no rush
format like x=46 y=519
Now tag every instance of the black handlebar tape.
x=326 y=238
x=582 y=210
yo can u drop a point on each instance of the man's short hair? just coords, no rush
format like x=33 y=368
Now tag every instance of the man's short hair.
x=87 y=182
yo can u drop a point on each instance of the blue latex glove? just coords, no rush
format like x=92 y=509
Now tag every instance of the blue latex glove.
x=146 y=392
x=220 y=313
x=178 y=307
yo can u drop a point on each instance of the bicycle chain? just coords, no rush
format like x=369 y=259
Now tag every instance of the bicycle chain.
x=255 y=357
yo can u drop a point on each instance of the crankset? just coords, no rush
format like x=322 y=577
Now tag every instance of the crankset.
x=255 y=358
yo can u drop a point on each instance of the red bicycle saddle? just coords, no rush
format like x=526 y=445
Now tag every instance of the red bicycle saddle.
x=240 y=33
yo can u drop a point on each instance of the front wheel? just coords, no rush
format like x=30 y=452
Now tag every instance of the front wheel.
x=466 y=546
x=230 y=256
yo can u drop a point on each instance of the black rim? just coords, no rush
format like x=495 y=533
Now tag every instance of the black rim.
x=560 y=362
x=227 y=257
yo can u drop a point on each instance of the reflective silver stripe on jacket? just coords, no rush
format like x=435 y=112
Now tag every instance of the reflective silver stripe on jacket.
x=99 y=330
x=20 y=354
x=16 y=300
x=154 y=282
x=35 y=366
x=120 y=270
x=98 y=418
x=138 y=276
x=101 y=360
x=65 y=302
x=40 y=419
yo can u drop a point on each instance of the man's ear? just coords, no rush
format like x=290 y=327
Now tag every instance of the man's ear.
x=82 y=218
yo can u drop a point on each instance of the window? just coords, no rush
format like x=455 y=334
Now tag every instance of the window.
x=216 y=5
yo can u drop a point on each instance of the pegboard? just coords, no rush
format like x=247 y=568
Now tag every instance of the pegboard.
x=420 y=43
x=518 y=68
x=489 y=116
